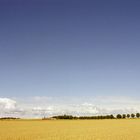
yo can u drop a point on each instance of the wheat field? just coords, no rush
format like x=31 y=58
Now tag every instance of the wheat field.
x=127 y=129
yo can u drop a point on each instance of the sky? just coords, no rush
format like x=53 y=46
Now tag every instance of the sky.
x=62 y=54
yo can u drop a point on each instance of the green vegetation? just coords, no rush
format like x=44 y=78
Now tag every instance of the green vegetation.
x=9 y=118
x=118 y=116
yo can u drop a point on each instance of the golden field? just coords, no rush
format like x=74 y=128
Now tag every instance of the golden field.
x=121 y=129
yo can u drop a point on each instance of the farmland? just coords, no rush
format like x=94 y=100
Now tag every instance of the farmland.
x=122 y=129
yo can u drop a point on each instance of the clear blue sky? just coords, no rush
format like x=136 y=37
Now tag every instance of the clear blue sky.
x=69 y=48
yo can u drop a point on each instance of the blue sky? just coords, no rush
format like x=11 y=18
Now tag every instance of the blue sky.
x=69 y=49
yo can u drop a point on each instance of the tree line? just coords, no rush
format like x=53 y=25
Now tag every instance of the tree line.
x=9 y=118
x=118 y=116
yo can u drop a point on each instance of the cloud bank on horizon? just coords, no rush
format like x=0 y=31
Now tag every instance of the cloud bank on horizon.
x=38 y=107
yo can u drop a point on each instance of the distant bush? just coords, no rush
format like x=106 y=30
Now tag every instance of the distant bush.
x=128 y=115
x=70 y=117
x=132 y=115
x=137 y=115
x=9 y=118
x=65 y=117
x=123 y=116
x=118 y=116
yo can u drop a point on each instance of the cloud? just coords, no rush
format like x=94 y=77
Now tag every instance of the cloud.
x=7 y=104
x=37 y=107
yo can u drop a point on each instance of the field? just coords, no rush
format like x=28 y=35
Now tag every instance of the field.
x=127 y=129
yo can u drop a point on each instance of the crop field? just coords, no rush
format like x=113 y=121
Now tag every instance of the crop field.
x=121 y=129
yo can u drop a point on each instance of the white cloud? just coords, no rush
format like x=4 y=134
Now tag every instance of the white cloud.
x=49 y=106
x=7 y=104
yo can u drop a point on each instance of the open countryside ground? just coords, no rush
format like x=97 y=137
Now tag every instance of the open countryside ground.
x=127 y=129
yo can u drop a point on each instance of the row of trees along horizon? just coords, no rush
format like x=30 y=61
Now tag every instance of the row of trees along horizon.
x=118 y=116
x=70 y=117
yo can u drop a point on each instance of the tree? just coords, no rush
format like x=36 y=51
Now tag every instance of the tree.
x=132 y=115
x=123 y=116
x=111 y=116
x=119 y=116
x=137 y=115
x=128 y=115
